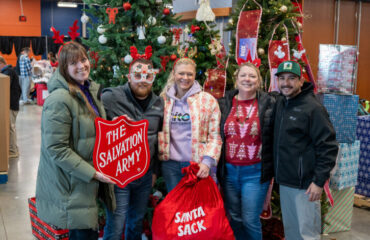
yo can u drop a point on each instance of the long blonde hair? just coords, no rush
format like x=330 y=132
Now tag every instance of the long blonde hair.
x=171 y=77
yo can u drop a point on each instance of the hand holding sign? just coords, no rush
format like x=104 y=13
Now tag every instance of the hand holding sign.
x=121 y=150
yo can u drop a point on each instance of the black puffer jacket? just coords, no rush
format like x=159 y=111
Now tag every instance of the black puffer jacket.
x=265 y=107
x=119 y=100
x=15 y=88
x=305 y=148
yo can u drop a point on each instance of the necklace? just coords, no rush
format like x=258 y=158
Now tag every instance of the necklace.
x=237 y=110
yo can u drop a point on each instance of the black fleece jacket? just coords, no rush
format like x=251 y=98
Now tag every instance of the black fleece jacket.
x=15 y=88
x=265 y=108
x=305 y=148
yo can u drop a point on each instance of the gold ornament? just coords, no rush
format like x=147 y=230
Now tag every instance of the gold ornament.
x=109 y=68
x=123 y=28
x=283 y=39
x=283 y=9
x=304 y=70
x=231 y=21
x=261 y=51
x=299 y=25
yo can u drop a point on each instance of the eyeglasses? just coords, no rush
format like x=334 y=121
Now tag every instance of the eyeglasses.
x=144 y=76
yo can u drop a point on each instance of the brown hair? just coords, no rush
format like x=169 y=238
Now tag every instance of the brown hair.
x=71 y=52
x=171 y=77
x=251 y=65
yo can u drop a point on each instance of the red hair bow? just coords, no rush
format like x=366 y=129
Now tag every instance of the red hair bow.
x=135 y=55
x=256 y=61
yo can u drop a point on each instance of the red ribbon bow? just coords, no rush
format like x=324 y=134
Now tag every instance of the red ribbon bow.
x=112 y=14
x=191 y=173
x=194 y=28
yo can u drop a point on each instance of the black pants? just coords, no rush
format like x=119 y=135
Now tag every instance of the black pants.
x=83 y=234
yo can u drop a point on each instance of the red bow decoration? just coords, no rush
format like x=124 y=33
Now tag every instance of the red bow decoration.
x=190 y=173
x=194 y=28
x=135 y=55
x=95 y=56
x=164 y=61
x=177 y=32
x=57 y=38
x=73 y=33
x=112 y=14
x=256 y=62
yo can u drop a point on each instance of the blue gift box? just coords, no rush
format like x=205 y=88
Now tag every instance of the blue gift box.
x=363 y=187
x=342 y=111
x=345 y=172
x=363 y=134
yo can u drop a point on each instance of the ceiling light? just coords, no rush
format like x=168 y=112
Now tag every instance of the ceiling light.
x=67 y=4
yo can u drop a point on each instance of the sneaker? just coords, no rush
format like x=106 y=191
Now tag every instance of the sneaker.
x=21 y=102
x=13 y=155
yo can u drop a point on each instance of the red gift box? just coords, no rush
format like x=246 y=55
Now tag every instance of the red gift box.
x=40 y=229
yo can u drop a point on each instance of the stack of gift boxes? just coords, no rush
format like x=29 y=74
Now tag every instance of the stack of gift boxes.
x=363 y=134
x=336 y=77
x=342 y=111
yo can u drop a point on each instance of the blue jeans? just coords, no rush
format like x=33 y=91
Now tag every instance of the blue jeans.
x=301 y=218
x=132 y=203
x=244 y=197
x=171 y=171
x=82 y=234
x=25 y=86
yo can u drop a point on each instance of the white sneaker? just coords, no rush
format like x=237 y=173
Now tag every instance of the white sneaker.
x=21 y=102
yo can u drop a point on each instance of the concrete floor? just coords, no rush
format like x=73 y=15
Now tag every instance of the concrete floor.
x=14 y=217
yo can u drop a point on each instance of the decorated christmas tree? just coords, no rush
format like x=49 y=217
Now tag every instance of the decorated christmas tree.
x=267 y=33
x=121 y=24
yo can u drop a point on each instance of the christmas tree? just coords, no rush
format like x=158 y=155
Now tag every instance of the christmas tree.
x=201 y=35
x=267 y=30
x=122 y=24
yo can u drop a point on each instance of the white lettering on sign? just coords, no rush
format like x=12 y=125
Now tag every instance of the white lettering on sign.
x=190 y=222
x=121 y=148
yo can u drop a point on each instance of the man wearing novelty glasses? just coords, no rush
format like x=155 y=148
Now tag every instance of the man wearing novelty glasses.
x=136 y=100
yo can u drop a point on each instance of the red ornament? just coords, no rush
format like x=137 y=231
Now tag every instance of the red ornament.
x=127 y=6
x=173 y=57
x=166 y=11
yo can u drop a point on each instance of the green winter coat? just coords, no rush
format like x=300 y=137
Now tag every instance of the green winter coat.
x=66 y=192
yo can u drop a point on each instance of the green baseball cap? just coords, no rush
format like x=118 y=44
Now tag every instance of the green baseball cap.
x=289 y=67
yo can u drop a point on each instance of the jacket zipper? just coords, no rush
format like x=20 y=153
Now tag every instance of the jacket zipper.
x=278 y=144
x=300 y=171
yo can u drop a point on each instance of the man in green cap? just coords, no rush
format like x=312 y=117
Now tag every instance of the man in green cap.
x=305 y=151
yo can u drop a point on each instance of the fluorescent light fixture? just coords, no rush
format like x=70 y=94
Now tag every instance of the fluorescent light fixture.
x=67 y=4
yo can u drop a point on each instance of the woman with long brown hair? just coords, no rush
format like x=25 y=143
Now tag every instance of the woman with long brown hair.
x=67 y=183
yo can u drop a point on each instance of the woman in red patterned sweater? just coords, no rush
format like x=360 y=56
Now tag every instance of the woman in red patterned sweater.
x=246 y=165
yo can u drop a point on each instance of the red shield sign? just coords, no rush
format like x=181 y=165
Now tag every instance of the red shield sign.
x=121 y=149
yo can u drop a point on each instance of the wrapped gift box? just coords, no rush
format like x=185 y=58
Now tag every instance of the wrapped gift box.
x=342 y=111
x=345 y=172
x=42 y=230
x=363 y=186
x=336 y=70
x=339 y=217
x=363 y=134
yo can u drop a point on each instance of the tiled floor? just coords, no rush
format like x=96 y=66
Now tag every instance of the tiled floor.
x=14 y=217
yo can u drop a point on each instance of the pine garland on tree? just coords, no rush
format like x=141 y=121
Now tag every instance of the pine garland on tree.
x=111 y=66
x=200 y=36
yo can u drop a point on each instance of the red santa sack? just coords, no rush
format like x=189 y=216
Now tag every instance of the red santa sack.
x=192 y=210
